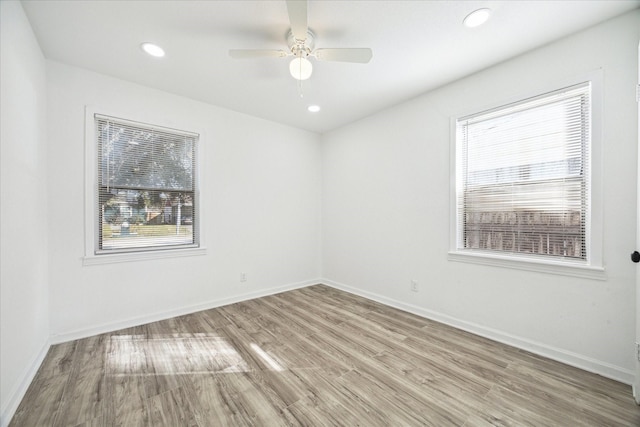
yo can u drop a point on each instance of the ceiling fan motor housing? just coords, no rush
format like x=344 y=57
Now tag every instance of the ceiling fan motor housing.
x=301 y=48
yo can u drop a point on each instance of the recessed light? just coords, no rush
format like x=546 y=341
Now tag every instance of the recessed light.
x=313 y=108
x=477 y=18
x=153 y=49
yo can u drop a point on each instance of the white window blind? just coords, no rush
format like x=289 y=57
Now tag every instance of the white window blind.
x=522 y=184
x=146 y=186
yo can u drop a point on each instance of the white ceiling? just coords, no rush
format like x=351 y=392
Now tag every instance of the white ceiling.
x=417 y=46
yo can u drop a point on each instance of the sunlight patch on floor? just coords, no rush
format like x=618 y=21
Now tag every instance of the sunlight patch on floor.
x=174 y=354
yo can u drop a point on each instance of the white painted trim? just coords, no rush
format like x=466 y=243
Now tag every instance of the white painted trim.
x=530 y=264
x=20 y=388
x=141 y=256
x=154 y=317
x=636 y=354
x=573 y=359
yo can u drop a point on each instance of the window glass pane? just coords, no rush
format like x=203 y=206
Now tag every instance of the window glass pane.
x=523 y=177
x=146 y=187
x=135 y=157
x=145 y=218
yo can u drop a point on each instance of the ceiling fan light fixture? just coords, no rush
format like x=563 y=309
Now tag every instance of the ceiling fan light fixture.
x=152 y=49
x=300 y=68
x=477 y=18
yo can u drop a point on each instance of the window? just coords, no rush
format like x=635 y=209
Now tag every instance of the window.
x=146 y=187
x=523 y=179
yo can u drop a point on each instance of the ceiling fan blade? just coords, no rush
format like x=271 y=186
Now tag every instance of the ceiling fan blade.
x=298 y=18
x=360 y=55
x=257 y=53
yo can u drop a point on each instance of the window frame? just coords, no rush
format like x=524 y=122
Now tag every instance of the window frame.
x=593 y=267
x=93 y=255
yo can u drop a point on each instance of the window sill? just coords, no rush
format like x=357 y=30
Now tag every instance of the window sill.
x=141 y=256
x=531 y=264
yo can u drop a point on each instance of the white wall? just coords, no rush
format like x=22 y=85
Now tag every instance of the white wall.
x=24 y=307
x=386 y=211
x=260 y=199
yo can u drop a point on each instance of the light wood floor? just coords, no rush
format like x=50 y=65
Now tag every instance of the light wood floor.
x=315 y=357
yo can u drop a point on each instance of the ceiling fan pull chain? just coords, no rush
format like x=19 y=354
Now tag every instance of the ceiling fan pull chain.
x=300 y=81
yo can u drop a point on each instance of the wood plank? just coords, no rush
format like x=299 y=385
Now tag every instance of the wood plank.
x=84 y=397
x=41 y=403
x=171 y=409
x=59 y=360
x=230 y=399
x=126 y=404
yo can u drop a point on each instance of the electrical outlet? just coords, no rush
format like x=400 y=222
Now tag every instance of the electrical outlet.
x=243 y=277
x=414 y=285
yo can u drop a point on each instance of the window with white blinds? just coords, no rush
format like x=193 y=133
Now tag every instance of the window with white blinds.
x=147 y=196
x=523 y=177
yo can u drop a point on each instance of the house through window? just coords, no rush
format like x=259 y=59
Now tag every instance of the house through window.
x=523 y=177
x=147 y=196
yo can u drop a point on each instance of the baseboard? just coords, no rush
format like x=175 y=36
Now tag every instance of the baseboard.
x=136 y=321
x=573 y=359
x=20 y=388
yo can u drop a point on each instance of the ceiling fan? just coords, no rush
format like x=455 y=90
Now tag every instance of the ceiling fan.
x=301 y=43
